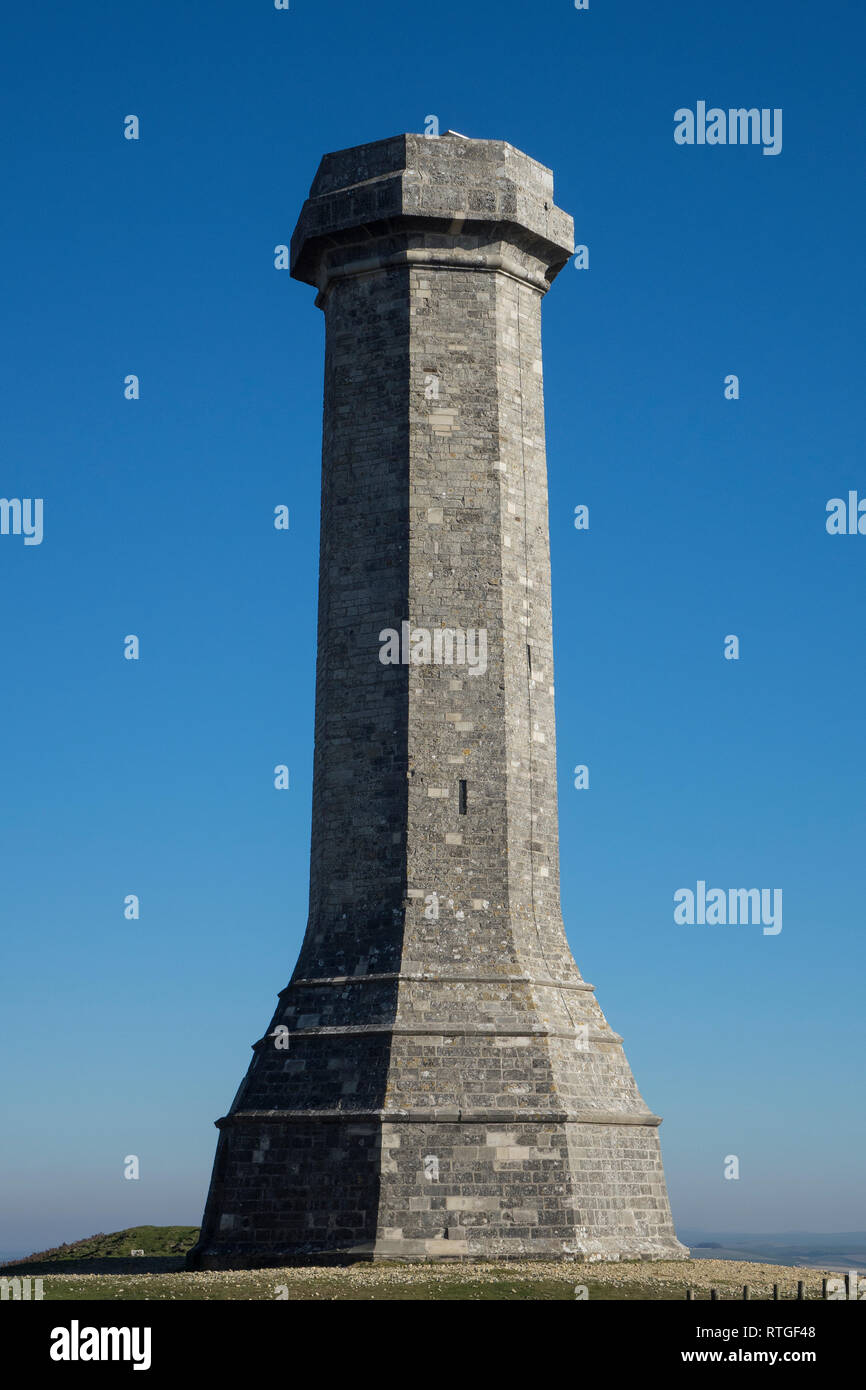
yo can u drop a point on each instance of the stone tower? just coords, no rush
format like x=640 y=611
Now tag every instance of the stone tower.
x=438 y=1080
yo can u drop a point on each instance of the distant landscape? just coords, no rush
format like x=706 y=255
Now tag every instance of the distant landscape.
x=816 y=1250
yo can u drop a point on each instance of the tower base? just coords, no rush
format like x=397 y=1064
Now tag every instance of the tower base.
x=338 y=1189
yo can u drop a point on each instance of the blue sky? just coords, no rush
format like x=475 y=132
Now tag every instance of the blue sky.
x=707 y=517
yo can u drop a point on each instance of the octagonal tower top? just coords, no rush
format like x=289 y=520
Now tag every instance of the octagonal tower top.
x=445 y=184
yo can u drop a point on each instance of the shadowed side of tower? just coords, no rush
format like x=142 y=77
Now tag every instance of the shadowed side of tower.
x=438 y=1080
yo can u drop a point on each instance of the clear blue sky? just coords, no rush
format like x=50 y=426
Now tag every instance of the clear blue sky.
x=707 y=518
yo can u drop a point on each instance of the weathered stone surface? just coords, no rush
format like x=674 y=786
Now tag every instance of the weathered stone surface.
x=450 y=1087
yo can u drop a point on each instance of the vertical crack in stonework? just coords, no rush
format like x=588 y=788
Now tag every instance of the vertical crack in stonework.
x=437 y=1080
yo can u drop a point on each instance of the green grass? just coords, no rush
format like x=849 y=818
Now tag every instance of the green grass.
x=153 y=1240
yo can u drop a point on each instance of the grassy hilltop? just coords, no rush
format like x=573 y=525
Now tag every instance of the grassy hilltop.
x=153 y=1240
x=102 y=1268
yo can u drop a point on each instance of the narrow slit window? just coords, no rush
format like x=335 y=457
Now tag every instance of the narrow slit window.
x=461 y=797
x=529 y=657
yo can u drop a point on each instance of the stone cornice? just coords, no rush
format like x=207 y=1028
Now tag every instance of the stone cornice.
x=426 y=978
x=457 y=259
x=438 y=1115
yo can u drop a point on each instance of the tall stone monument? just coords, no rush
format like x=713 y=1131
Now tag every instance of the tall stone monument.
x=438 y=1080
